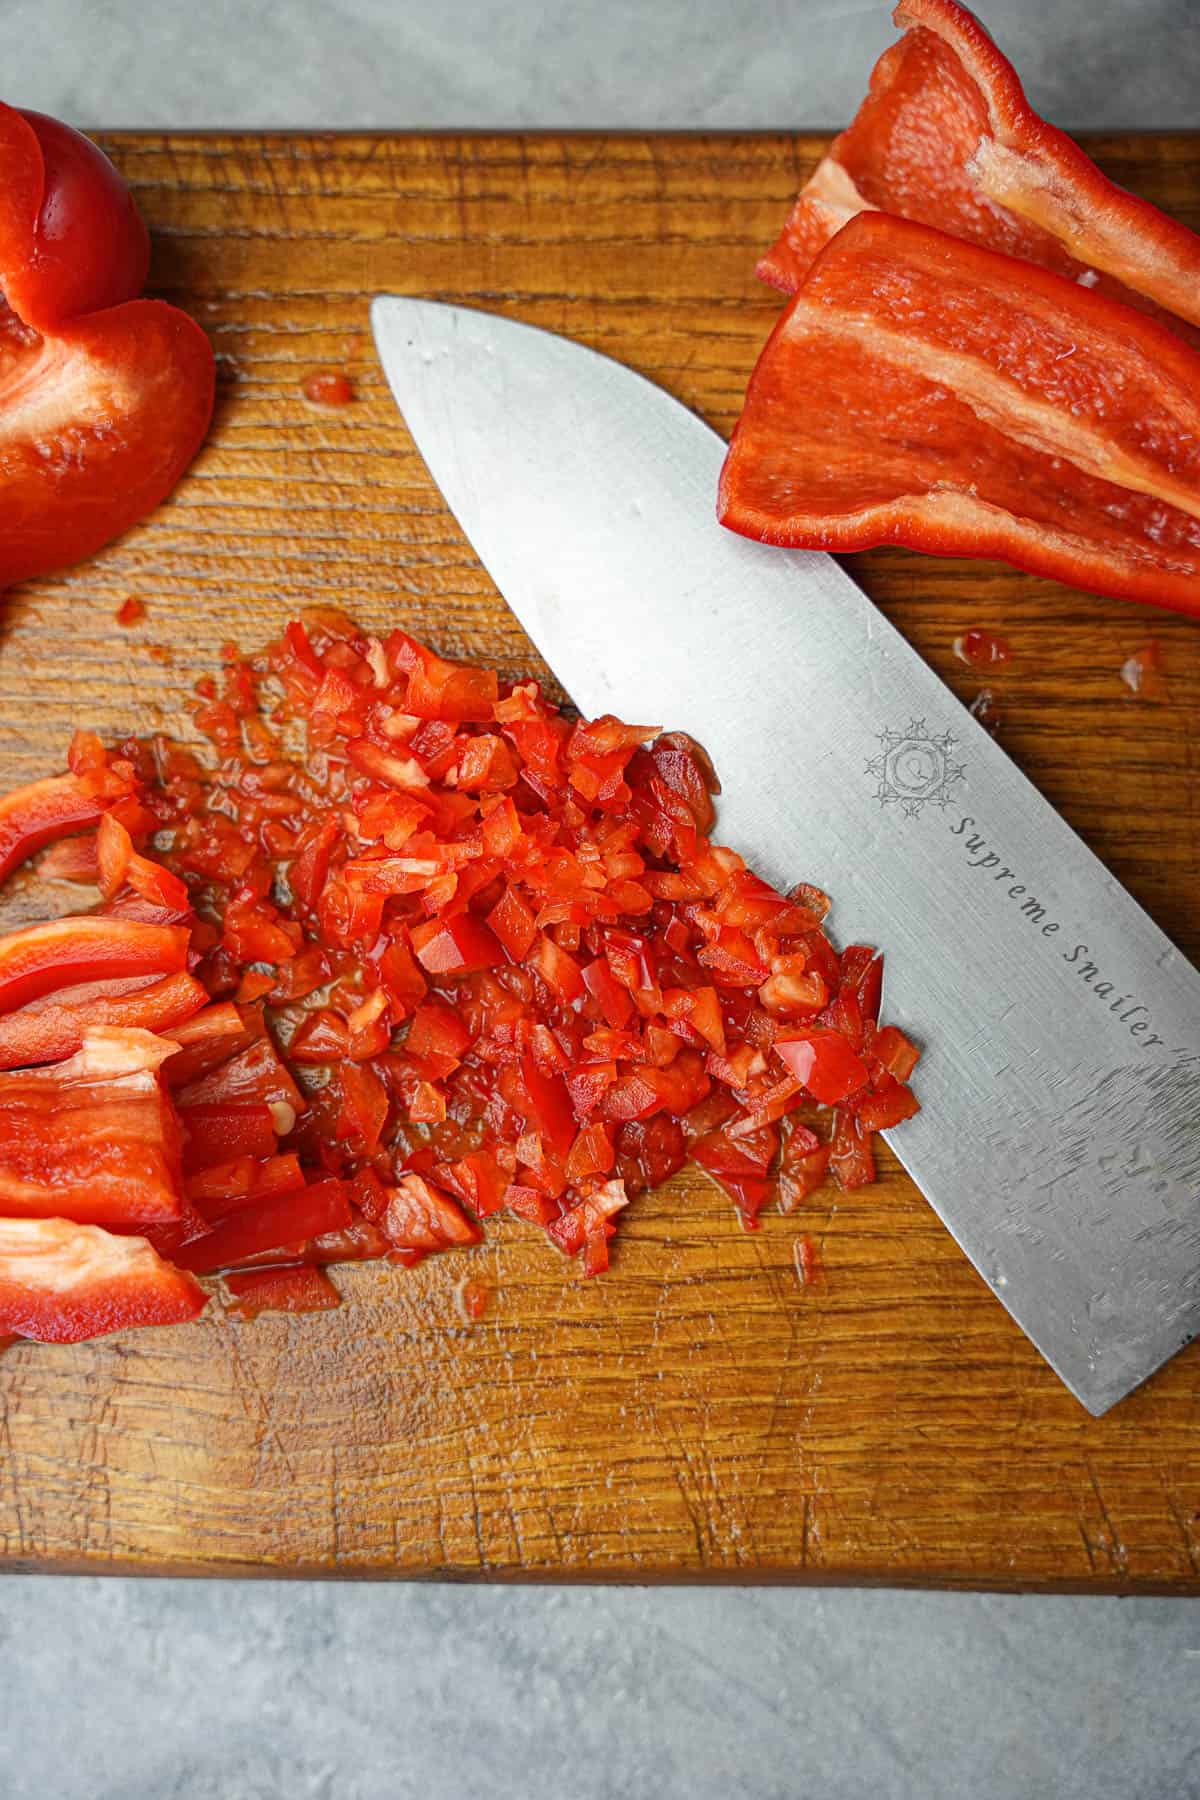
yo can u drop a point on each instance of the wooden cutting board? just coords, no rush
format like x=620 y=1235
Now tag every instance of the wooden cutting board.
x=699 y=1412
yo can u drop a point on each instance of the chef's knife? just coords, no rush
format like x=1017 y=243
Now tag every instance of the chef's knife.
x=1060 y=1084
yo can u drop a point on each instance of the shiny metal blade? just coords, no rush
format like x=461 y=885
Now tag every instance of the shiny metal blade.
x=1060 y=1133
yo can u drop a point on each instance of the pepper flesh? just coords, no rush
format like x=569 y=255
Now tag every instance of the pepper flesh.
x=919 y=390
x=947 y=137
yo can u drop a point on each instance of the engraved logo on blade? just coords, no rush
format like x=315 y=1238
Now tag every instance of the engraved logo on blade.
x=915 y=768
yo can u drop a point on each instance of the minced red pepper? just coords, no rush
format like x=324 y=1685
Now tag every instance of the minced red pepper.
x=460 y=954
x=498 y=950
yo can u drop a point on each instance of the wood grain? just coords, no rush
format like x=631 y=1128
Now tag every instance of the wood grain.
x=698 y=1413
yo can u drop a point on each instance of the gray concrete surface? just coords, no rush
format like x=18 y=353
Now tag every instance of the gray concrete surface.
x=724 y=64
x=227 y=1691
x=245 y=1691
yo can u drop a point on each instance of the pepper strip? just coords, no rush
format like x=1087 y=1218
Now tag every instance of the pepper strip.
x=65 y=952
x=921 y=391
x=44 y=811
x=54 y=1026
x=947 y=137
x=61 y=1282
x=93 y=1138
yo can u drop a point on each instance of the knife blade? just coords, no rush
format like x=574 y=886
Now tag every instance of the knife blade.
x=1059 y=1137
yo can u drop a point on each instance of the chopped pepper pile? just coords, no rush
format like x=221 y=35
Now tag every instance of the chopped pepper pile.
x=409 y=948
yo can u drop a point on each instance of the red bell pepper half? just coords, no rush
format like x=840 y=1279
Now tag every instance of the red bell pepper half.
x=921 y=391
x=93 y=1138
x=61 y=1282
x=947 y=137
x=104 y=398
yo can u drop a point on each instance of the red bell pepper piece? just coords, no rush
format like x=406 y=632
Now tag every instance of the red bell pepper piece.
x=545 y=1105
x=93 y=1138
x=477 y=1179
x=299 y=1213
x=514 y=924
x=823 y=1060
x=649 y=1151
x=118 y=865
x=851 y=1157
x=209 y=1038
x=255 y=1076
x=921 y=391
x=71 y=238
x=421 y=1217
x=243 y=1181
x=947 y=137
x=364 y=1108
x=219 y=1133
x=574 y=1230
x=53 y=1027
x=740 y=1166
x=299 y=1290
x=39 y=958
x=455 y=946
x=44 y=811
x=438 y=1036
x=359 y=1241
x=61 y=1282
x=803 y=1166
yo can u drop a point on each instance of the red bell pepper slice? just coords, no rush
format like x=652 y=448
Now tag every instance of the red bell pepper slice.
x=919 y=390
x=61 y=1282
x=50 y=1028
x=244 y=1181
x=219 y=1133
x=45 y=811
x=71 y=238
x=93 y=1138
x=299 y=1290
x=40 y=958
x=299 y=1213
x=947 y=137
x=255 y=1076
x=97 y=424
x=211 y=1037
x=118 y=865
